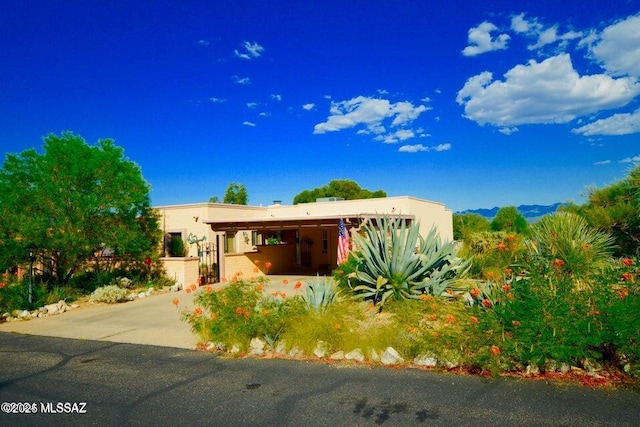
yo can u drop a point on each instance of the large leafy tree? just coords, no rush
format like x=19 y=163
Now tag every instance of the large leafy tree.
x=616 y=210
x=74 y=201
x=236 y=194
x=509 y=219
x=347 y=189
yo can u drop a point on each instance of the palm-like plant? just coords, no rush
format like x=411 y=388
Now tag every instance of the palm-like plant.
x=396 y=262
x=567 y=242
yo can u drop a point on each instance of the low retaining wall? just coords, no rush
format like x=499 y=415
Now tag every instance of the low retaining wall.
x=184 y=270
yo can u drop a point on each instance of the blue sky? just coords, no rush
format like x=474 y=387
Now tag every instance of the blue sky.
x=473 y=104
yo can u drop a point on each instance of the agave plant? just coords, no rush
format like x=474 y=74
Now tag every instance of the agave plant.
x=396 y=262
x=321 y=293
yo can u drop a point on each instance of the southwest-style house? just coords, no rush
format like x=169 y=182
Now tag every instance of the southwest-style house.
x=227 y=240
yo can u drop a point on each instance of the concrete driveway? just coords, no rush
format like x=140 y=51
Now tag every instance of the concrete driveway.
x=152 y=321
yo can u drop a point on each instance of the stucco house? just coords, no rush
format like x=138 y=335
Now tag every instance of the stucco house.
x=243 y=240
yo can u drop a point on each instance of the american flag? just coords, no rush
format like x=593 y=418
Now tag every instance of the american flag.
x=343 y=243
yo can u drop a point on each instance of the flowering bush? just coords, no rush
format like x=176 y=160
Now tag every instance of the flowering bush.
x=239 y=312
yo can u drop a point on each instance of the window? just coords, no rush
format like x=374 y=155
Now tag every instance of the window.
x=254 y=238
x=229 y=243
x=325 y=241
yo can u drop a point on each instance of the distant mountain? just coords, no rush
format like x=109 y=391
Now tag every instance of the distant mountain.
x=530 y=212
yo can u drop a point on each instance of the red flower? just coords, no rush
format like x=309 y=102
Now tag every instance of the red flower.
x=2 y=285
x=627 y=261
x=188 y=290
x=338 y=326
x=214 y=316
x=594 y=312
x=623 y=293
x=423 y=297
x=259 y=288
x=491 y=275
x=285 y=281
x=627 y=276
x=486 y=303
x=508 y=271
x=475 y=292
x=147 y=261
x=501 y=246
x=511 y=237
x=474 y=319
x=506 y=288
x=176 y=301
x=451 y=318
x=209 y=289
x=267 y=265
x=433 y=316
x=197 y=310
x=495 y=350
x=515 y=323
x=193 y=287
x=558 y=263
x=239 y=311
x=298 y=285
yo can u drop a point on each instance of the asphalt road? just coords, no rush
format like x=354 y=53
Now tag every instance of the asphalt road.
x=128 y=384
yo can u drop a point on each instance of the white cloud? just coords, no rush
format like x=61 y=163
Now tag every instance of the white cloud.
x=264 y=114
x=508 y=131
x=370 y=112
x=397 y=136
x=618 y=48
x=534 y=29
x=442 y=147
x=241 y=80
x=521 y=25
x=251 y=50
x=252 y=105
x=413 y=148
x=618 y=124
x=481 y=41
x=634 y=159
x=603 y=162
x=248 y=123
x=550 y=91
x=550 y=35
x=308 y=107
x=202 y=42
x=276 y=97
x=383 y=92
x=419 y=147
x=217 y=100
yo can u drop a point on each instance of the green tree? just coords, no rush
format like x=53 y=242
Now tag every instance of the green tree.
x=214 y=199
x=465 y=224
x=615 y=209
x=72 y=201
x=344 y=188
x=509 y=219
x=236 y=194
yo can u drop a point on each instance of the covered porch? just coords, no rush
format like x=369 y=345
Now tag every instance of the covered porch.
x=283 y=246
